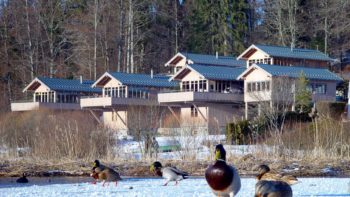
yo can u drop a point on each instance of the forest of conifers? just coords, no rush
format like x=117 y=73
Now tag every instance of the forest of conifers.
x=72 y=38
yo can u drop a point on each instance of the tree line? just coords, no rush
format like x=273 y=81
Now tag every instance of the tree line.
x=69 y=38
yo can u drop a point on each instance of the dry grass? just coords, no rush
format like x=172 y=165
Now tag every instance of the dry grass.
x=54 y=136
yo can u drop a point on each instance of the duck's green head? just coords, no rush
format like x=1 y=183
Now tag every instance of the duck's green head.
x=155 y=166
x=220 y=152
x=96 y=163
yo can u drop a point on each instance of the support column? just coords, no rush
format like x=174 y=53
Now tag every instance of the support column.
x=41 y=97
x=54 y=97
x=246 y=110
x=103 y=92
x=34 y=97
x=259 y=109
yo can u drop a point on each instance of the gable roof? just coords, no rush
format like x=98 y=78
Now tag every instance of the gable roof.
x=132 y=79
x=294 y=72
x=211 y=72
x=287 y=52
x=66 y=85
x=204 y=59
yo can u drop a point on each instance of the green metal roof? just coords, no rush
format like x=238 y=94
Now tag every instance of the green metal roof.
x=280 y=51
x=295 y=71
x=218 y=72
x=69 y=85
x=131 y=79
x=212 y=60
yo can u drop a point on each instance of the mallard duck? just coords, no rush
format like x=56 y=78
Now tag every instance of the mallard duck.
x=104 y=173
x=266 y=174
x=222 y=178
x=272 y=185
x=22 y=179
x=94 y=175
x=264 y=188
x=169 y=173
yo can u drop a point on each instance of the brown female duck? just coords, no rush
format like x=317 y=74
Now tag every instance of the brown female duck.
x=272 y=185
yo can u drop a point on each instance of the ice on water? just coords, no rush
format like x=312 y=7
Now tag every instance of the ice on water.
x=153 y=187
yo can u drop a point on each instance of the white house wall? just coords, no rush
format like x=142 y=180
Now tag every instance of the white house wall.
x=220 y=115
x=192 y=76
x=113 y=121
x=188 y=121
x=42 y=88
x=256 y=75
x=112 y=83
x=258 y=55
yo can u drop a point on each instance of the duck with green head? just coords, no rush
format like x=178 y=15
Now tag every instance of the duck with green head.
x=104 y=173
x=169 y=173
x=222 y=178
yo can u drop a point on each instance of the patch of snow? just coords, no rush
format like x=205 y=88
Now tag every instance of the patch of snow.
x=153 y=187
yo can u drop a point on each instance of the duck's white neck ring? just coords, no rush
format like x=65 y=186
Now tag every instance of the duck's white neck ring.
x=220 y=160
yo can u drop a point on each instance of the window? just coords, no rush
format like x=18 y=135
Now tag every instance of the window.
x=185 y=85
x=194 y=111
x=249 y=87
x=317 y=88
x=267 y=86
x=320 y=88
x=263 y=86
x=258 y=86
x=253 y=87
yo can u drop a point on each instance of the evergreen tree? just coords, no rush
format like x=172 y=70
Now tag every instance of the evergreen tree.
x=302 y=94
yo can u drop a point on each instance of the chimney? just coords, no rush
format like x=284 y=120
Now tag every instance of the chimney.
x=81 y=79
x=217 y=55
x=152 y=73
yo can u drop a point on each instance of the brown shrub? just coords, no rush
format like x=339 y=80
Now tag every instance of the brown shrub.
x=54 y=135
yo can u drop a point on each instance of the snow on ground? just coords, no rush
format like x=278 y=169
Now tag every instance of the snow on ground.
x=153 y=187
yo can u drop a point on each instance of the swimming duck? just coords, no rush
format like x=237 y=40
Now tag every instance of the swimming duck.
x=222 y=178
x=104 y=173
x=272 y=185
x=266 y=174
x=169 y=173
x=22 y=179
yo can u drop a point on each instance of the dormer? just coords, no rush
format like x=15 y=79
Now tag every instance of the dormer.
x=285 y=56
x=181 y=59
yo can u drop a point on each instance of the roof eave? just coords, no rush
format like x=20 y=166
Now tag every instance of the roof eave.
x=172 y=59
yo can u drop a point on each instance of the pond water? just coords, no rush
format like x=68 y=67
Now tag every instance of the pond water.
x=81 y=186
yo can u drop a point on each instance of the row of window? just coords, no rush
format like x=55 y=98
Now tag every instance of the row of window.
x=197 y=86
x=115 y=92
x=260 y=61
x=49 y=97
x=258 y=86
x=317 y=88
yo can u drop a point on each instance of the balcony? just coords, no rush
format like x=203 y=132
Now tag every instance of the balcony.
x=30 y=105
x=112 y=101
x=190 y=96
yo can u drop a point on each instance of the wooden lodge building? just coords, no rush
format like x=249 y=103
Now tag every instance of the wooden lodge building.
x=203 y=92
